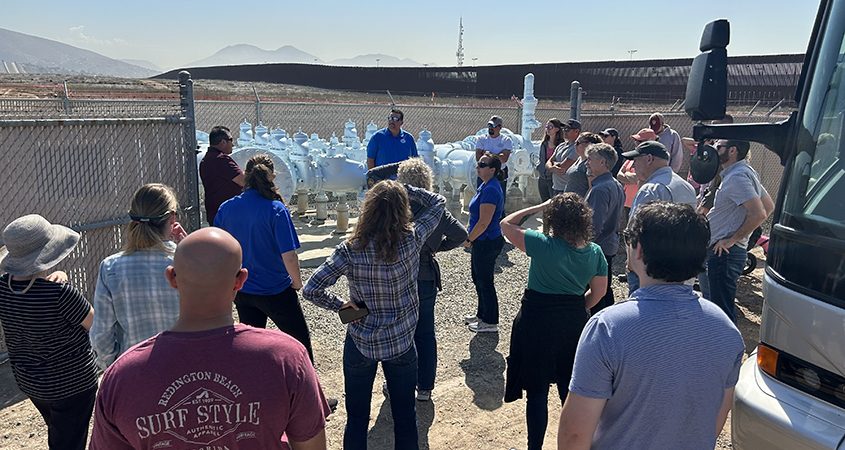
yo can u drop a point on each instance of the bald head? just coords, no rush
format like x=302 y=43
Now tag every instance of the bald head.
x=207 y=271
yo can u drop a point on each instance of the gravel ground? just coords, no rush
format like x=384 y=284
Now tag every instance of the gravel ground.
x=467 y=411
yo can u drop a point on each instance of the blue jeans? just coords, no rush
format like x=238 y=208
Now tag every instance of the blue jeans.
x=400 y=373
x=424 y=338
x=483 y=254
x=718 y=283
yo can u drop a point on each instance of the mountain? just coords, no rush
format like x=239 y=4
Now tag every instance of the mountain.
x=39 y=55
x=144 y=63
x=370 y=60
x=240 y=54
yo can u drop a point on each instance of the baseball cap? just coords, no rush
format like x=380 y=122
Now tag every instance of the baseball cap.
x=573 y=124
x=653 y=148
x=494 y=121
x=646 y=134
x=610 y=132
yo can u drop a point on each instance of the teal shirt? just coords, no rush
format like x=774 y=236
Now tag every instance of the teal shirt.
x=559 y=268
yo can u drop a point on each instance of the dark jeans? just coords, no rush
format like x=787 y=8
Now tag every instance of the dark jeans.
x=483 y=255
x=283 y=309
x=400 y=373
x=718 y=283
x=537 y=412
x=424 y=338
x=607 y=300
x=67 y=419
x=544 y=186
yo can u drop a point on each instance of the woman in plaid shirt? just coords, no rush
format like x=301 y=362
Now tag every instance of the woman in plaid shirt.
x=132 y=299
x=380 y=261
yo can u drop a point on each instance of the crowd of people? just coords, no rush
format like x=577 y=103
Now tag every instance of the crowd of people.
x=654 y=371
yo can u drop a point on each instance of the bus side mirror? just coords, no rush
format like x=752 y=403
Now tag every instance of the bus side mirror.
x=707 y=87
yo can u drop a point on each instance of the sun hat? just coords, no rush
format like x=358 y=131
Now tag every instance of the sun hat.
x=34 y=245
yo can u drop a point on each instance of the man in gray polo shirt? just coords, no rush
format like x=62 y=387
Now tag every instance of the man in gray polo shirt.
x=564 y=156
x=606 y=197
x=741 y=205
x=659 y=182
x=657 y=371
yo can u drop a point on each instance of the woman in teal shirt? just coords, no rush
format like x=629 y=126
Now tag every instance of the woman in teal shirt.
x=555 y=305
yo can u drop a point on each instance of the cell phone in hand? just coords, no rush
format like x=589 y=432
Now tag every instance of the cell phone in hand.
x=351 y=314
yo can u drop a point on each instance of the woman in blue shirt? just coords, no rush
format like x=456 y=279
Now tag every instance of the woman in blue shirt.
x=259 y=220
x=485 y=242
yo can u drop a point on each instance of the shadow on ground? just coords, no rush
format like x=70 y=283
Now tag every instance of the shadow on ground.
x=9 y=392
x=381 y=434
x=484 y=371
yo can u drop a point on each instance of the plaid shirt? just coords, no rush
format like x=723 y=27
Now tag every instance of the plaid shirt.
x=388 y=289
x=132 y=302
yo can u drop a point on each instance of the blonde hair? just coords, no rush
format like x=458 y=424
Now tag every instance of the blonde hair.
x=152 y=206
x=415 y=171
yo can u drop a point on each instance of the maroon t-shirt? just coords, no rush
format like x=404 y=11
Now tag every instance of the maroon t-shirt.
x=217 y=170
x=235 y=387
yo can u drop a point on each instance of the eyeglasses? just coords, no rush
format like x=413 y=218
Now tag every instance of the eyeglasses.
x=394 y=119
x=567 y=129
x=722 y=146
x=549 y=126
x=482 y=165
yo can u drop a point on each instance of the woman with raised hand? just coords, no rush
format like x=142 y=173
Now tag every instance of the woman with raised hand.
x=555 y=305
x=485 y=242
x=259 y=220
x=380 y=261
x=132 y=297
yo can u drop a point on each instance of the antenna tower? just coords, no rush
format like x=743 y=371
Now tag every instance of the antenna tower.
x=460 y=52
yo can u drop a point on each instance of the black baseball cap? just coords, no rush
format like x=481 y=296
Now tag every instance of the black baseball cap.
x=653 y=148
x=610 y=132
x=573 y=124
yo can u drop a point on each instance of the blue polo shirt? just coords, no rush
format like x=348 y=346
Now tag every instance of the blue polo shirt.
x=489 y=192
x=385 y=148
x=265 y=230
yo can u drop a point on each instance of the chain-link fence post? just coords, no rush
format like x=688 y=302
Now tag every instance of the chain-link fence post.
x=575 y=100
x=66 y=99
x=186 y=100
x=258 y=118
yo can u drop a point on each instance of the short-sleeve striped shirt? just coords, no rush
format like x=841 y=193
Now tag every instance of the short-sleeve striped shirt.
x=48 y=347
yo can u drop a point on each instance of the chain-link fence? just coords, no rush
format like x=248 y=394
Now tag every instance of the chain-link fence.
x=64 y=163
x=449 y=123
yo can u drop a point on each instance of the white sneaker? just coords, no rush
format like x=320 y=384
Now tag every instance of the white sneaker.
x=470 y=318
x=483 y=327
x=423 y=395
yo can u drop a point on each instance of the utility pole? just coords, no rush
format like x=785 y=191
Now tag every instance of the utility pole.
x=631 y=53
x=460 y=52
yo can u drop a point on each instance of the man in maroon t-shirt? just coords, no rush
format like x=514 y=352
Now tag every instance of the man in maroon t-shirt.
x=208 y=383
x=221 y=177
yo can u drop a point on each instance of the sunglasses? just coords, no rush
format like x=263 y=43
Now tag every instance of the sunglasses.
x=228 y=139
x=394 y=119
x=483 y=165
x=549 y=126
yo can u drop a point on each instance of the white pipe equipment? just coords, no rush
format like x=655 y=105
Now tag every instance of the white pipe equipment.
x=311 y=165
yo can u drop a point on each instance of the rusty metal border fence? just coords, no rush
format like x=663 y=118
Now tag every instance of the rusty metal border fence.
x=81 y=169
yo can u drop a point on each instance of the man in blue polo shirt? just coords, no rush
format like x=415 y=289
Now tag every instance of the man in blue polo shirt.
x=391 y=144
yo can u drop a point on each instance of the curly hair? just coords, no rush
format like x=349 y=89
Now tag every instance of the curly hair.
x=259 y=176
x=568 y=217
x=415 y=171
x=385 y=218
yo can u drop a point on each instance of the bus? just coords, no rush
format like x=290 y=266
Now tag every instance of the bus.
x=791 y=391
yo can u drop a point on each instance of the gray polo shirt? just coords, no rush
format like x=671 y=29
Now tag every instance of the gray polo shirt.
x=562 y=152
x=663 y=360
x=606 y=198
x=666 y=185
x=740 y=183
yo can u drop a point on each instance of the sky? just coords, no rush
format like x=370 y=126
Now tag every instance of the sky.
x=172 y=34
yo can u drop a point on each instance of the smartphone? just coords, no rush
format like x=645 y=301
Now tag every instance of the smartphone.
x=351 y=314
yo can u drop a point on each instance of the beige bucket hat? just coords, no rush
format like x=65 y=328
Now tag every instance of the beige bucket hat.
x=34 y=245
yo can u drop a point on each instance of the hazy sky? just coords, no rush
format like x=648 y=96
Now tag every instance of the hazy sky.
x=172 y=34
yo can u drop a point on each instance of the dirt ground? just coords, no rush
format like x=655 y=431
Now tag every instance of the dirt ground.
x=467 y=410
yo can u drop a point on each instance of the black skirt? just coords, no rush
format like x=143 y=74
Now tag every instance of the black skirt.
x=543 y=341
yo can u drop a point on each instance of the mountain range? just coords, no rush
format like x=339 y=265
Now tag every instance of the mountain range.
x=24 y=53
